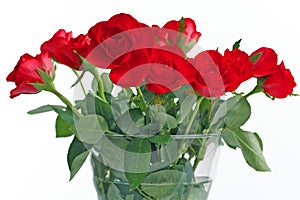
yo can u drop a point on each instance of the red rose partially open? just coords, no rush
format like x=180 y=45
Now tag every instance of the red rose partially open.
x=184 y=33
x=62 y=46
x=280 y=84
x=266 y=62
x=26 y=73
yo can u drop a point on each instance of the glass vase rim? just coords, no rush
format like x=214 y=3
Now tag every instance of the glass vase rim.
x=188 y=136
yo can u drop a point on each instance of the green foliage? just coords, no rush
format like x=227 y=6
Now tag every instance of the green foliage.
x=63 y=128
x=137 y=161
x=113 y=193
x=186 y=107
x=236 y=44
x=108 y=85
x=130 y=121
x=238 y=112
x=160 y=139
x=90 y=128
x=45 y=108
x=250 y=144
x=77 y=154
x=163 y=183
x=95 y=105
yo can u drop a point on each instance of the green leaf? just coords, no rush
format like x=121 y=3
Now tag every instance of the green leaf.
x=160 y=139
x=130 y=121
x=230 y=139
x=62 y=128
x=186 y=107
x=65 y=114
x=251 y=147
x=95 y=105
x=171 y=122
x=164 y=119
x=255 y=57
x=77 y=155
x=90 y=128
x=238 y=112
x=150 y=129
x=259 y=141
x=113 y=193
x=108 y=85
x=130 y=197
x=137 y=161
x=163 y=183
x=111 y=151
x=169 y=153
x=236 y=44
x=45 y=108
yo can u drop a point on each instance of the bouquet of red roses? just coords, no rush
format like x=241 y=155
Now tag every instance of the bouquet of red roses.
x=150 y=116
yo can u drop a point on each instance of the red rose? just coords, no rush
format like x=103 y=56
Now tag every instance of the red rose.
x=266 y=62
x=281 y=83
x=62 y=46
x=162 y=69
x=26 y=73
x=216 y=75
x=208 y=81
x=111 y=39
x=168 y=70
x=133 y=72
x=238 y=59
x=187 y=39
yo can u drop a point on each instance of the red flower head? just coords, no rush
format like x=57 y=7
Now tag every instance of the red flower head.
x=208 y=81
x=26 y=73
x=169 y=70
x=280 y=84
x=184 y=33
x=62 y=46
x=266 y=62
x=163 y=69
x=111 y=39
x=218 y=74
x=237 y=59
x=133 y=72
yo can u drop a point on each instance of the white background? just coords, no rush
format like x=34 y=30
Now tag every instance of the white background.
x=33 y=162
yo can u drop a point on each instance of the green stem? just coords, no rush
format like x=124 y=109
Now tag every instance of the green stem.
x=258 y=88
x=188 y=128
x=140 y=93
x=80 y=82
x=67 y=102
x=112 y=132
x=212 y=108
x=92 y=69
x=100 y=84
x=182 y=148
x=200 y=155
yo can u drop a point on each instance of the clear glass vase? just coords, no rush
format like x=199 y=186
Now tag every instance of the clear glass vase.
x=181 y=167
